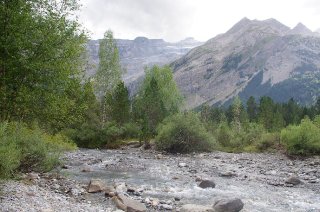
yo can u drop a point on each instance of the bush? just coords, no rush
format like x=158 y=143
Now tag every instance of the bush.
x=183 y=133
x=267 y=141
x=26 y=149
x=302 y=139
x=231 y=140
x=90 y=136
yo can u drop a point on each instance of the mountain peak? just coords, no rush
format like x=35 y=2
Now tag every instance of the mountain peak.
x=301 y=29
x=242 y=23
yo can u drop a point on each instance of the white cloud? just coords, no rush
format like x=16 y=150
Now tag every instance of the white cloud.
x=176 y=19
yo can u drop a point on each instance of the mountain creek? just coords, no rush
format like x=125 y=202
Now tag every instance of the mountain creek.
x=160 y=181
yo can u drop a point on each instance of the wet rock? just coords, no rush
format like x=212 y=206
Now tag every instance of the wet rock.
x=228 y=205
x=195 y=208
x=294 y=180
x=95 y=186
x=207 y=184
x=127 y=204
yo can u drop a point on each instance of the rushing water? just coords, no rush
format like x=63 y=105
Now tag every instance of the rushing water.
x=160 y=176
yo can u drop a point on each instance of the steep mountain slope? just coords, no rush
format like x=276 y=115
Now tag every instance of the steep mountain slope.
x=252 y=58
x=140 y=52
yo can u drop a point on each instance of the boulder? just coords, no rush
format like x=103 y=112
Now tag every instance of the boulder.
x=96 y=186
x=294 y=180
x=207 y=184
x=127 y=204
x=228 y=205
x=195 y=208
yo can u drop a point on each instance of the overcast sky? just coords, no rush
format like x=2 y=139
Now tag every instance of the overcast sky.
x=175 y=20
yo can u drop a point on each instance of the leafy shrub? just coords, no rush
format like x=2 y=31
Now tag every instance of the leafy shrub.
x=183 y=133
x=26 y=149
x=302 y=139
x=267 y=141
x=90 y=136
x=131 y=130
x=232 y=140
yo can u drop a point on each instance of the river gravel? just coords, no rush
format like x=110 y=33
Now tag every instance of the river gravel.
x=259 y=180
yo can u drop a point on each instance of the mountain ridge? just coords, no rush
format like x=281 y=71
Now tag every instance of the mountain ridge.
x=224 y=66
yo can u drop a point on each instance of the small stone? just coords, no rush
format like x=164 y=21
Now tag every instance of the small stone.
x=65 y=166
x=86 y=169
x=95 y=186
x=121 y=187
x=227 y=174
x=198 y=179
x=228 y=205
x=159 y=156
x=32 y=176
x=177 y=198
x=131 y=189
x=127 y=204
x=195 y=208
x=182 y=165
x=207 y=184
x=294 y=180
x=47 y=210
x=166 y=207
x=155 y=202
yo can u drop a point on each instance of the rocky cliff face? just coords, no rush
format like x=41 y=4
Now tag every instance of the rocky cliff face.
x=141 y=52
x=252 y=58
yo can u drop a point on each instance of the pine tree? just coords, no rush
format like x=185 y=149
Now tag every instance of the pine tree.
x=119 y=104
x=252 y=109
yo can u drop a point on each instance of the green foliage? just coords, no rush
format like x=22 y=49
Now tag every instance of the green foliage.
x=184 y=133
x=268 y=141
x=118 y=104
x=41 y=59
x=91 y=136
x=26 y=149
x=302 y=139
x=158 y=98
x=109 y=71
x=252 y=109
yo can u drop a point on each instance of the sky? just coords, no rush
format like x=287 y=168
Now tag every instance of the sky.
x=174 y=20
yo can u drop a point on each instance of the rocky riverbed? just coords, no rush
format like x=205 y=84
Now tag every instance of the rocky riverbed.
x=163 y=182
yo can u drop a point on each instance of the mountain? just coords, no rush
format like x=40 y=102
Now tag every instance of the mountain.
x=252 y=58
x=140 y=52
x=301 y=29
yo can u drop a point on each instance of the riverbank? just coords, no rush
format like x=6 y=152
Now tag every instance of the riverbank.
x=264 y=182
